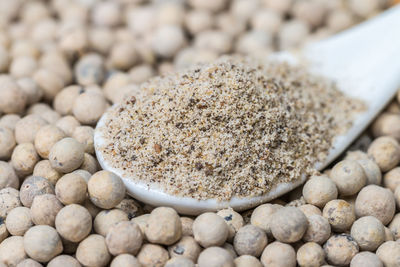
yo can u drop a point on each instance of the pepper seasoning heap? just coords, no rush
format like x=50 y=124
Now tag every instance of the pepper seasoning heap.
x=228 y=128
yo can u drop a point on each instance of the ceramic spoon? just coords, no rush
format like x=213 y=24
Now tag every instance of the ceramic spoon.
x=365 y=63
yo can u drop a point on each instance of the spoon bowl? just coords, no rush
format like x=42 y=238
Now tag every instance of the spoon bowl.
x=364 y=61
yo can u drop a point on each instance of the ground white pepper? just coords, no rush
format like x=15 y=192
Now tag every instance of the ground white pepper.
x=368 y=232
x=124 y=237
x=279 y=254
x=66 y=155
x=216 y=113
x=106 y=190
x=92 y=251
x=7 y=143
x=64 y=260
x=382 y=206
x=8 y=178
x=42 y=243
x=18 y=221
x=163 y=226
x=340 y=215
x=214 y=257
x=107 y=218
x=366 y=259
x=125 y=260
x=44 y=209
x=206 y=236
x=250 y=240
x=153 y=255
x=71 y=189
x=32 y=187
x=12 y=250
x=319 y=190
x=73 y=222
x=288 y=224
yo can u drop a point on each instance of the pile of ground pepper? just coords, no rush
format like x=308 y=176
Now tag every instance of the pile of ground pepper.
x=228 y=128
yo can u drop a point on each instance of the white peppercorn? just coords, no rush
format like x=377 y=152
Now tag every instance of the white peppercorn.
x=292 y=33
x=30 y=89
x=84 y=135
x=391 y=179
x=32 y=187
x=66 y=155
x=49 y=81
x=340 y=215
x=371 y=170
x=215 y=257
x=247 y=261
x=187 y=226
x=65 y=99
x=179 y=262
x=18 y=221
x=43 y=168
x=7 y=143
x=141 y=221
x=388 y=253
x=92 y=251
x=250 y=240
x=44 y=209
x=167 y=40
x=8 y=178
x=318 y=230
x=9 y=121
x=71 y=189
x=12 y=250
x=366 y=259
x=68 y=124
x=206 y=236
x=349 y=177
x=382 y=206
x=394 y=227
x=186 y=247
x=288 y=224
x=368 y=232
x=125 y=260
x=233 y=219
x=24 y=158
x=319 y=190
x=64 y=260
x=46 y=137
x=163 y=226
x=385 y=151
x=22 y=66
x=310 y=254
x=340 y=249
x=124 y=237
x=309 y=210
x=42 y=243
x=89 y=69
x=107 y=218
x=89 y=164
x=152 y=255
x=123 y=55
x=28 y=263
x=279 y=254
x=12 y=98
x=262 y=216
x=73 y=222
x=9 y=199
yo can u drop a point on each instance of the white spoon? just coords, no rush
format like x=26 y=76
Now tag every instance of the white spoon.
x=365 y=63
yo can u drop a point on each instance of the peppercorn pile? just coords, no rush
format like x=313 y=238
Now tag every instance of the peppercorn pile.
x=63 y=63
